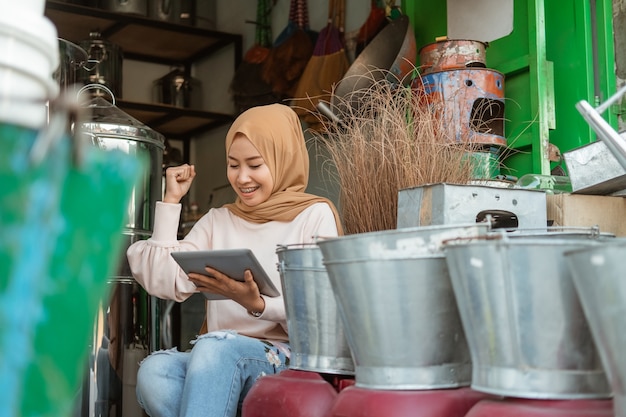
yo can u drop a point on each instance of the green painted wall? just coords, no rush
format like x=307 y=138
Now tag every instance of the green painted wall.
x=549 y=62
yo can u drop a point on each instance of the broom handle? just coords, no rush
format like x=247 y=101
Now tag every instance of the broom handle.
x=299 y=13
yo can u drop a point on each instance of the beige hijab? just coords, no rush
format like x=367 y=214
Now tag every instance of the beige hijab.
x=276 y=132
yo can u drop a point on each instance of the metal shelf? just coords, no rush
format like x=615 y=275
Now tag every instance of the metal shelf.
x=155 y=41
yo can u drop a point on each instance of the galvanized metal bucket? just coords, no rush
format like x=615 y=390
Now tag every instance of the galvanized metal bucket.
x=598 y=275
x=397 y=305
x=316 y=335
x=526 y=330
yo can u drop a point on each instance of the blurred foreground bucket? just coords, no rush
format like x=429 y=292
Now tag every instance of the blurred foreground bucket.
x=598 y=275
x=398 y=309
x=523 y=320
x=316 y=334
x=61 y=218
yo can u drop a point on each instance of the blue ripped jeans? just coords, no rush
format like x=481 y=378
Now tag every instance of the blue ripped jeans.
x=209 y=381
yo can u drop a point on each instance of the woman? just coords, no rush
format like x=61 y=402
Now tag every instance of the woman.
x=268 y=167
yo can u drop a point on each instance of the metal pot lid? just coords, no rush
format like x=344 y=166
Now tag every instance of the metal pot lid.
x=106 y=119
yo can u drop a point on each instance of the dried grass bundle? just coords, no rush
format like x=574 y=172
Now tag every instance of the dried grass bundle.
x=394 y=138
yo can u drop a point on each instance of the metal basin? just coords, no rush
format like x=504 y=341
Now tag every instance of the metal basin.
x=397 y=305
x=391 y=55
x=526 y=330
x=599 y=280
x=316 y=333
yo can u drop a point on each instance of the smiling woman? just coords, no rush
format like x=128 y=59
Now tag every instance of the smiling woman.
x=248 y=173
x=268 y=167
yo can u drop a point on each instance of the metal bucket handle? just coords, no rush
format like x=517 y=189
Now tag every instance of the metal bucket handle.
x=67 y=113
x=594 y=230
x=97 y=86
x=614 y=142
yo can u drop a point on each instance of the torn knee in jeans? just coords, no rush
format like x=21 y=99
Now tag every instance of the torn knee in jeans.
x=218 y=334
x=160 y=352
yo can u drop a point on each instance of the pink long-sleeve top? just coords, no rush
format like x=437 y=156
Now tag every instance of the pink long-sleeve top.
x=154 y=268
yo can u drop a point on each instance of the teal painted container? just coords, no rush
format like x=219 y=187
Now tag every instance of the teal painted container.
x=61 y=219
x=486 y=164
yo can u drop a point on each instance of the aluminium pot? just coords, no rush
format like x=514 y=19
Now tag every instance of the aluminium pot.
x=396 y=302
x=104 y=65
x=525 y=327
x=316 y=334
x=177 y=88
x=599 y=280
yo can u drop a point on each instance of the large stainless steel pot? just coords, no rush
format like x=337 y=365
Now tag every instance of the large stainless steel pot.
x=108 y=127
x=396 y=302
x=316 y=334
x=524 y=324
x=598 y=274
x=129 y=323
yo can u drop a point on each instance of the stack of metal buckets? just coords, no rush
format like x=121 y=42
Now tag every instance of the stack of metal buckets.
x=454 y=75
x=456 y=319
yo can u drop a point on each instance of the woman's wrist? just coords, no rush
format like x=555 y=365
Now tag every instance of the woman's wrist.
x=257 y=308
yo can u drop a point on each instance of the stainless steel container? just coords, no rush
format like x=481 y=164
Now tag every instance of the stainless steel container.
x=108 y=127
x=316 y=334
x=396 y=302
x=137 y=7
x=71 y=59
x=599 y=280
x=104 y=65
x=455 y=203
x=524 y=324
x=164 y=10
x=593 y=169
x=129 y=324
x=178 y=89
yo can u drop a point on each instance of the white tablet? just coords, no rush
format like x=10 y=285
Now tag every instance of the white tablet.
x=232 y=262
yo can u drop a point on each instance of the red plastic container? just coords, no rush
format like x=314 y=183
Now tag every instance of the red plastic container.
x=361 y=402
x=292 y=393
x=518 y=407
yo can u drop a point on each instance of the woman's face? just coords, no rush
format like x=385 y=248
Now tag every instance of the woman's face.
x=247 y=172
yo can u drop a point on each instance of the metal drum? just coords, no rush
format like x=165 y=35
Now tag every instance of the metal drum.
x=316 y=334
x=599 y=280
x=524 y=324
x=470 y=102
x=396 y=302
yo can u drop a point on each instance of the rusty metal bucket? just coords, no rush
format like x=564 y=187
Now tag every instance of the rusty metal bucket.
x=471 y=102
x=452 y=54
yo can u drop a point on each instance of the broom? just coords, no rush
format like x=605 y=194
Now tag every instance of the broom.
x=327 y=66
x=291 y=51
x=247 y=86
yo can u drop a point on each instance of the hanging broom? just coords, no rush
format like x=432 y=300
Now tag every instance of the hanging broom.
x=327 y=66
x=247 y=86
